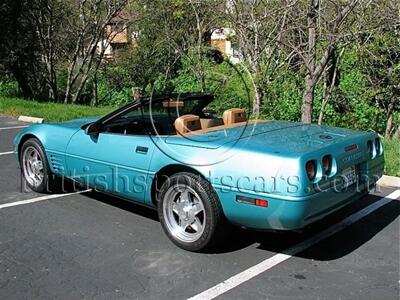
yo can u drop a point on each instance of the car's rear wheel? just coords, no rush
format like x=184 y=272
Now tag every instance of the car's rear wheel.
x=190 y=212
x=35 y=168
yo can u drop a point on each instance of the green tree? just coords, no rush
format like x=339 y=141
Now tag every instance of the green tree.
x=19 y=49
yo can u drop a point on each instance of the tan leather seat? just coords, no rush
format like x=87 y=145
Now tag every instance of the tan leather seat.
x=208 y=123
x=187 y=123
x=234 y=115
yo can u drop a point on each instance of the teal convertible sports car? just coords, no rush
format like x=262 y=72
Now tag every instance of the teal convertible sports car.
x=203 y=172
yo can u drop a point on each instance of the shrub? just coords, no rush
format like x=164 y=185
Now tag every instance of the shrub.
x=392 y=156
x=8 y=88
x=228 y=83
x=113 y=86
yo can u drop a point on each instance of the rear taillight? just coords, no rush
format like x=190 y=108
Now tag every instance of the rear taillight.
x=327 y=164
x=370 y=148
x=378 y=146
x=311 y=169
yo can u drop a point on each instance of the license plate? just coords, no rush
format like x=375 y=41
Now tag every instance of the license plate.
x=349 y=176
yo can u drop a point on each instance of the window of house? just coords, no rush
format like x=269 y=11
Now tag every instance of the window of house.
x=118 y=27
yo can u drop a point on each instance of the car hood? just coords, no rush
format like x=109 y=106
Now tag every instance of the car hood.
x=76 y=123
x=271 y=136
x=54 y=136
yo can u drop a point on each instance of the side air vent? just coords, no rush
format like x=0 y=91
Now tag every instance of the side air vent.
x=57 y=163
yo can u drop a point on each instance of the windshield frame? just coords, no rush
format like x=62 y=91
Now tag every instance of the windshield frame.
x=143 y=101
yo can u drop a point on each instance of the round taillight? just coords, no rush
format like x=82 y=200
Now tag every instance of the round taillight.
x=369 y=147
x=327 y=164
x=311 y=169
x=378 y=146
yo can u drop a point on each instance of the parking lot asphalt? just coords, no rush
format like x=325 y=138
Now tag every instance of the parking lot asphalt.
x=8 y=129
x=94 y=246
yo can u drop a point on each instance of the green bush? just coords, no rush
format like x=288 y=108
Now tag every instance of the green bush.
x=283 y=98
x=8 y=88
x=113 y=88
x=392 y=156
x=228 y=83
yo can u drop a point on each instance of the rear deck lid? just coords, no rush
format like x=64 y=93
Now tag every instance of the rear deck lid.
x=276 y=136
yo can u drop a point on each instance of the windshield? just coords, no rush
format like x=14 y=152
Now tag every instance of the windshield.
x=157 y=116
x=173 y=107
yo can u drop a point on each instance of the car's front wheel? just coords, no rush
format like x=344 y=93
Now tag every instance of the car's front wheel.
x=190 y=212
x=34 y=167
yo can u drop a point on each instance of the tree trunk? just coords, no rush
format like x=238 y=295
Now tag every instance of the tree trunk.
x=258 y=90
x=328 y=88
x=94 y=96
x=389 y=125
x=53 y=92
x=258 y=98
x=322 y=110
x=396 y=135
x=23 y=83
x=389 y=122
x=52 y=79
x=308 y=98
x=314 y=69
x=68 y=88
x=79 y=90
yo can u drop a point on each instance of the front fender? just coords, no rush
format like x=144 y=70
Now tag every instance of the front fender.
x=54 y=139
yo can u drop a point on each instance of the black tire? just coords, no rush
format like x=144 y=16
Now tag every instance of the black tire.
x=50 y=182
x=216 y=226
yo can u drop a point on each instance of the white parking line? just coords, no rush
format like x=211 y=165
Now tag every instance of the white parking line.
x=5 y=153
x=14 y=127
x=267 y=264
x=48 y=197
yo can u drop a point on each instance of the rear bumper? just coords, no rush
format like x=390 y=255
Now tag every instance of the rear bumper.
x=293 y=213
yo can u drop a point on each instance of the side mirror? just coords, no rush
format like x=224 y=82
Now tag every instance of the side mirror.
x=93 y=129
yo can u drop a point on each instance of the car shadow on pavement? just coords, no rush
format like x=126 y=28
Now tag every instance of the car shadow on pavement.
x=125 y=205
x=336 y=246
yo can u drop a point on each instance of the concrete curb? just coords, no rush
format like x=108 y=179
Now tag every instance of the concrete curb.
x=389 y=181
x=30 y=119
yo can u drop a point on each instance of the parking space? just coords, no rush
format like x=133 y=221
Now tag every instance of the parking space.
x=10 y=185
x=359 y=262
x=97 y=247
x=10 y=181
x=8 y=129
x=8 y=122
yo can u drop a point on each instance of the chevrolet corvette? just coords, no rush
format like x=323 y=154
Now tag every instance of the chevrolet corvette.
x=202 y=171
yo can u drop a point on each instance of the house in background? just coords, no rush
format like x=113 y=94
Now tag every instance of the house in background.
x=118 y=34
x=220 y=40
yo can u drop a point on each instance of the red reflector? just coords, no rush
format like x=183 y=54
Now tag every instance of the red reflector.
x=311 y=169
x=260 y=202
x=351 y=148
x=327 y=164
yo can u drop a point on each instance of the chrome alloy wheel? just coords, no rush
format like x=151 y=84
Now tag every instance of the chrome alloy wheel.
x=32 y=165
x=184 y=213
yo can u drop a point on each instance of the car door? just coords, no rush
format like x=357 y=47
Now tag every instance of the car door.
x=115 y=160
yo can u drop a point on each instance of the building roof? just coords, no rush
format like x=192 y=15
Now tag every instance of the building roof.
x=123 y=16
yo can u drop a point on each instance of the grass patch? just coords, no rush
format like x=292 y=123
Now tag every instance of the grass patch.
x=51 y=112
x=392 y=156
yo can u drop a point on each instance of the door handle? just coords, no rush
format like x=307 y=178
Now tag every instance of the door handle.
x=141 y=149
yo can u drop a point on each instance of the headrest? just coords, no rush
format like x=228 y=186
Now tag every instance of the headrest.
x=234 y=115
x=187 y=123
